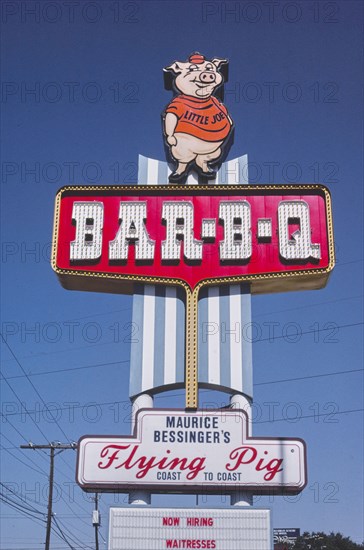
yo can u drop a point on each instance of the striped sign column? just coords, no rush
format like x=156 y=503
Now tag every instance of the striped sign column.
x=224 y=316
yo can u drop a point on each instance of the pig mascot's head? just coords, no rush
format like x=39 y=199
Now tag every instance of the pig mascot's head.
x=196 y=124
x=198 y=77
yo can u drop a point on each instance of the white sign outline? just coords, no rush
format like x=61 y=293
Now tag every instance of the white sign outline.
x=109 y=445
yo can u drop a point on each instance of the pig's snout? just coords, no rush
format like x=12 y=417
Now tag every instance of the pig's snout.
x=207 y=77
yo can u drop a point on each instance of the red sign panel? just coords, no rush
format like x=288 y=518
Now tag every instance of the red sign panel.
x=275 y=237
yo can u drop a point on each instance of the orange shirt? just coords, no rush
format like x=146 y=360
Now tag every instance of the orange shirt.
x=206 y=119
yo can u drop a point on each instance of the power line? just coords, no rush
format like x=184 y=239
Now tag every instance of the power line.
x=34 y=388
x=62 y=534
x=21 y=510
x=20 y=506
x=82 y=546
x=323 y=329
x=43 y=473
x=24 y=438
x=317 y=304
x=74 y=369
x=60 y=447
x=46 y=475
x=68 y=350
x=306 y=416
x=259 y=315
x=99 y=314
x=23 y=406
x=70 y=535
x=111 y=363
x=106 y=403
x=23 y=501
x=61 y=518
x=74 y=406
x=351 y=262
x=307 y=377
x=79 y=505
x=14 y=428
x=38 y=471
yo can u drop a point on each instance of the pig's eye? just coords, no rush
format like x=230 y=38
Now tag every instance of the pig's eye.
x=209 y=67
x=193 y=68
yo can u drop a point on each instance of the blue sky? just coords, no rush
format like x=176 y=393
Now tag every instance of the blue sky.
x=295 y=95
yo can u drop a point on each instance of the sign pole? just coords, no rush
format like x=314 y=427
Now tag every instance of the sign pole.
x=191 y=376
x=143 y=401
x=239 y=401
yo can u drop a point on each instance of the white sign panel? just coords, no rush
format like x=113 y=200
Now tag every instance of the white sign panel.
x=203 y=451
x=220 y=529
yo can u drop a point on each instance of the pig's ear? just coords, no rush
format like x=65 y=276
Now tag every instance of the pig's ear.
x=169 y=75
x=217 y=62
x=175 y=68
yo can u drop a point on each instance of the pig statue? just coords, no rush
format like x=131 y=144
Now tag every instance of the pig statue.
x=196 y=124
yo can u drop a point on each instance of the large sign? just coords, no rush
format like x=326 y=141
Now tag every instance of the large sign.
x=205 y=451
x=277 y=238
x=141 y=528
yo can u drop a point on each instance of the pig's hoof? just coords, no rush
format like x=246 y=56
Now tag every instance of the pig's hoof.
x=177 y=178
x=209 y=174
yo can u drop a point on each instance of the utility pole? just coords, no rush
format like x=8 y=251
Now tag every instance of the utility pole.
x=50 y=499
x=52 y=447
x=96 y=521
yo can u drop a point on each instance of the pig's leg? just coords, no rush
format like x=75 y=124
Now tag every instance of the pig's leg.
x=183 y=153
x=181 y=168
x=203 y=160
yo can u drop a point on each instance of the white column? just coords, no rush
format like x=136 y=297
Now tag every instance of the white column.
x=239 y=401
x=143 y=401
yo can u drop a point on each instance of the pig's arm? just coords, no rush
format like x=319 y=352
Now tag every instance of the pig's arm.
x=170 y=124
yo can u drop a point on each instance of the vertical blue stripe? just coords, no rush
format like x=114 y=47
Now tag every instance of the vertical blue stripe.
x=226 y=362
x=159 y=327
x=243 y=170
x=222 y=174
x=246 y=350
x=142 y=170
x=180 y=336
x=136 y=348
x=162 y=173
x=203 y=367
